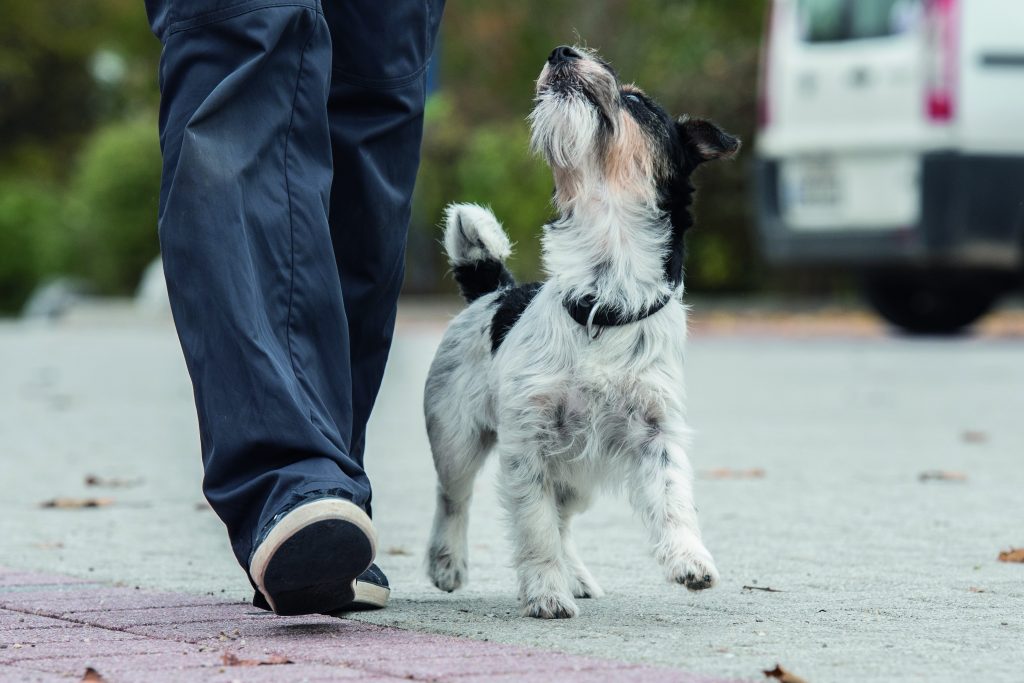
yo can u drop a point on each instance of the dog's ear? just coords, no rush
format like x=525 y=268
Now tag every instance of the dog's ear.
x=706 y=141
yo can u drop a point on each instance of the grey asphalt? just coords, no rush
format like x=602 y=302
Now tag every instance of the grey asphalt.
x=879 y=576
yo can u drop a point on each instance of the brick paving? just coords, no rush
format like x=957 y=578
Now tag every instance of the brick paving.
x=55 y=628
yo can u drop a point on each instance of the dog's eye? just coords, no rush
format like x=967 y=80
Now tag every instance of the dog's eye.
x=632 y=98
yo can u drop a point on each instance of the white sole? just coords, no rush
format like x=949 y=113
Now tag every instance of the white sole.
x=371 y=595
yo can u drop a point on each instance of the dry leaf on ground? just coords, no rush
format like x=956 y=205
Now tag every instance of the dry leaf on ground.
x=783 y=675
x=974 y=436
x=975 y=589
x=74 y=503
x=1012 y=555
x=766 y=589
x=729 y=473
x=92 y=675
x=113 y=482
x=397 y=550
x=942 y=475
x=231 y=659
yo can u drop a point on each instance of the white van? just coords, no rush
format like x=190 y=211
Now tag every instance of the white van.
x=892 y=142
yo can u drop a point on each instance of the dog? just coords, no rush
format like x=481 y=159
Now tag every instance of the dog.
x=576 y=382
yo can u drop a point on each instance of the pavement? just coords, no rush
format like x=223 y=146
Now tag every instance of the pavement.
x=57 y=628
x=813 y=431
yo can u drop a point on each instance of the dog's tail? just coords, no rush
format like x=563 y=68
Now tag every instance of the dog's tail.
x=477 y=248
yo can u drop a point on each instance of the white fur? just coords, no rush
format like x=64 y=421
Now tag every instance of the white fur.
x=563 y=128
x=565 y=412
x=472 y=233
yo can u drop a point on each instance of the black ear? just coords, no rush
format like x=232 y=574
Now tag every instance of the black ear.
x=706 y=140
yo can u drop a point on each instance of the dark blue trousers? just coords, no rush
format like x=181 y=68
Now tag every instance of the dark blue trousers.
x=290 y=133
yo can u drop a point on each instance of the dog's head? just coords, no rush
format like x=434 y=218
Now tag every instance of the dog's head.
x=598 y=134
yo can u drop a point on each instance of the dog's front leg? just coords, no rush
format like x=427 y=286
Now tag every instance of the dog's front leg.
x=662 y=493
x=529 y=499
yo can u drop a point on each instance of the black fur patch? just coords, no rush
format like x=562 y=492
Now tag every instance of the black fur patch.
x=676 y=200
x=564 y=494
x=482 y=277
x=675 y=190
x=511 y=304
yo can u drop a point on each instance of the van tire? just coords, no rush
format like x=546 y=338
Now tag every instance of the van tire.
x=932 y=302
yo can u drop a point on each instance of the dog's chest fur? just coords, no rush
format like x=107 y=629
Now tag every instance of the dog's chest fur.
x=589 y=396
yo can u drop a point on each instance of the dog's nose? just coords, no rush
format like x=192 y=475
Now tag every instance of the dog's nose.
x=562 y=53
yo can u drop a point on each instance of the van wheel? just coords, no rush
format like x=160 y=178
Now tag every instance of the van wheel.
x=931 y=302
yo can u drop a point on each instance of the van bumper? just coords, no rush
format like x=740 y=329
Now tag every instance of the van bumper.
x=972 y=216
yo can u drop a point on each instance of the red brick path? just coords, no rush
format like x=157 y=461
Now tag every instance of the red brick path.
x=52 y=628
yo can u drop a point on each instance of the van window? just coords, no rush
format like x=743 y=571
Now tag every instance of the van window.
x=827 y=21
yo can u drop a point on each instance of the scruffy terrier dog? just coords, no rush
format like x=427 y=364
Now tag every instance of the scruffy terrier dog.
x=577 y=381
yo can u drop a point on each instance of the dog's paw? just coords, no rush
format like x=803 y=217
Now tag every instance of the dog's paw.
x=695 y=570
x=447 y=572
x=584 y=586
x=553 y=606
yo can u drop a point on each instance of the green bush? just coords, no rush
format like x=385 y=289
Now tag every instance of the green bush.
x=490 y=165
x=112 y=206
x=497 y=170
x=31 y=240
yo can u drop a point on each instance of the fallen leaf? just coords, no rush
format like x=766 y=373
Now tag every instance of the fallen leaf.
x=941 y=475
x=231 y=659
x=113 y=483
x=73 y=503
x=783 y=675
x=49 y=545
x=974 y=436
x=1012 y=555
x=975 y=589
x=729 y=473
x=766 y=589
x=93 y=675
x=396 y=550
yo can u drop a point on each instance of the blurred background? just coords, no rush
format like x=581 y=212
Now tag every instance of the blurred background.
x=796 y=215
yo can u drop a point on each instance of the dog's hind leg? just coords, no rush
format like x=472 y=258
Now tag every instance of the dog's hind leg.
x=457 y=459
x=570 y=501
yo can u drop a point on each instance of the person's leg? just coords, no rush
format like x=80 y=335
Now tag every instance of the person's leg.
x=380 y=56
x=251 y=274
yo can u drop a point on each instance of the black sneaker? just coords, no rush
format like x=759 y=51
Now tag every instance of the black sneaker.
x=372 y=591
x=309 y=560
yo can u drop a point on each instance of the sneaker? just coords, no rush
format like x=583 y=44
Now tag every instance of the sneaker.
x=372 y=591
x=309 y=560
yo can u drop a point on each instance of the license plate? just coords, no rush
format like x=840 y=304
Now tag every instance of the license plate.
x=811 y=183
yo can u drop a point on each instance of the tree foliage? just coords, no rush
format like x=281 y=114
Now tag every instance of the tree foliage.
x=50 y=98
